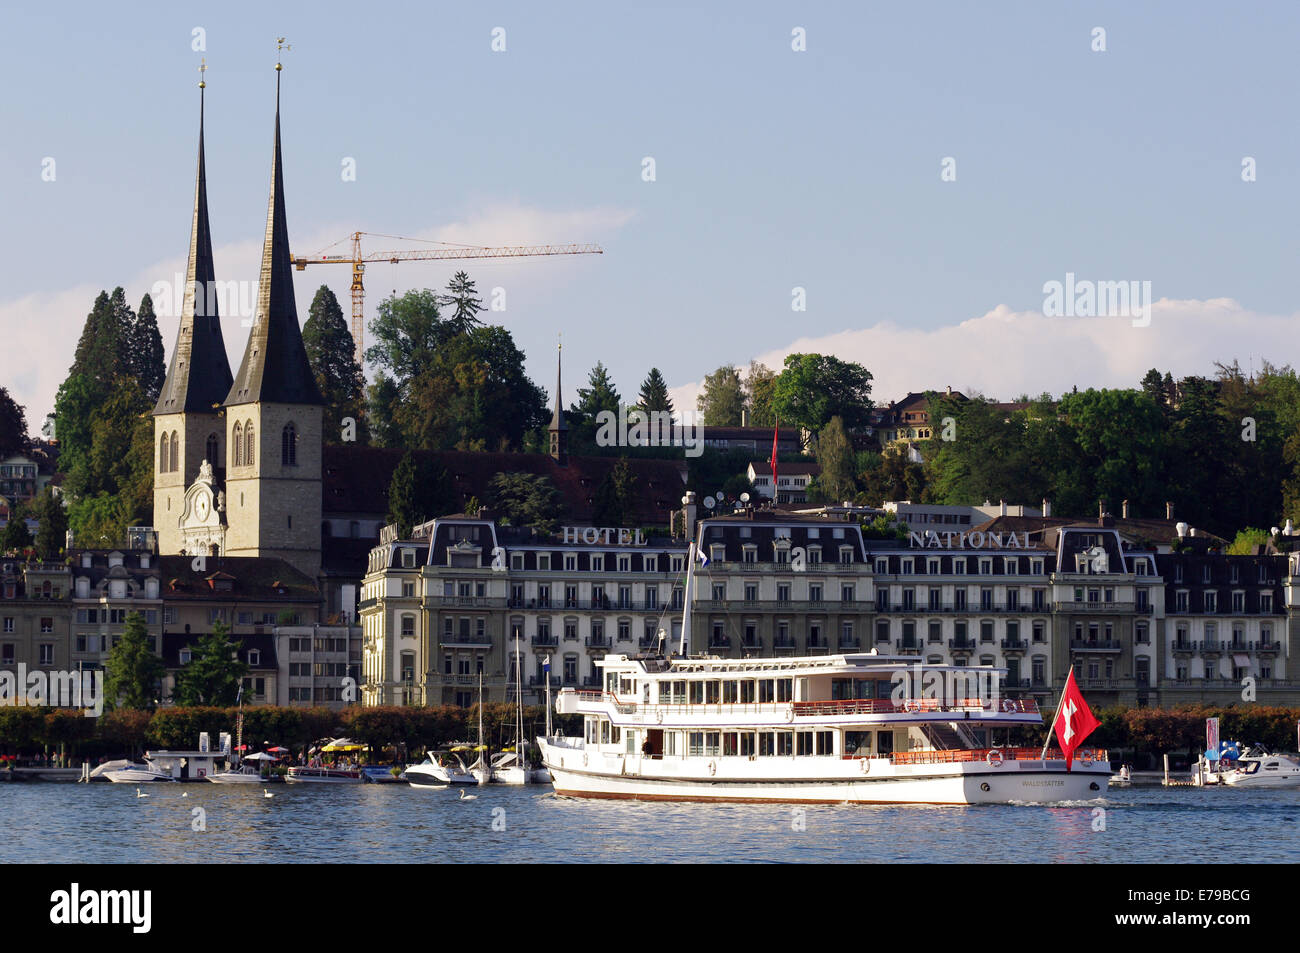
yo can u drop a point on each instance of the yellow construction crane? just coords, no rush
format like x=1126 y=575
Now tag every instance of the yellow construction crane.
x=358 y=261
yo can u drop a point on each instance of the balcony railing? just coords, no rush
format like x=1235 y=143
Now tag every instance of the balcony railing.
x=1095 y=608
x=1095 y=645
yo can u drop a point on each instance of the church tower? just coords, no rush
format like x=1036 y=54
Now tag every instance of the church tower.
x=273 y=413
x=559 y=430
x=188 y=429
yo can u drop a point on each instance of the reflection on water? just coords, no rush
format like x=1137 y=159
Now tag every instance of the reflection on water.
x=368 y=823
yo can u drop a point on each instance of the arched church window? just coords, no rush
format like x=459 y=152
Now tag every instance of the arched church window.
x=289 y=446
x=250 y=445
x=237 y=446
x=212 y=450
x=176 y=452
x=164 y=465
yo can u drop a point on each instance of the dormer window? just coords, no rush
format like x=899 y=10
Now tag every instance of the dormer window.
x=254 y=657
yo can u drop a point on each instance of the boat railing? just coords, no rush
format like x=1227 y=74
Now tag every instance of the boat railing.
x=1085 y=755
x=887 y=706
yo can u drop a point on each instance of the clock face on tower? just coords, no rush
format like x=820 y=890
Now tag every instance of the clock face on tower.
x=201 y=507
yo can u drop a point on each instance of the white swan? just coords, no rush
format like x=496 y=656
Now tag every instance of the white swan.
x=139 y=793
x=467 y=797
x=266 y=793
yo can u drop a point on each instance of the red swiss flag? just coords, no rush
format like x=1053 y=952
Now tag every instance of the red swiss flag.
x=776 y=430
x=1074 y=720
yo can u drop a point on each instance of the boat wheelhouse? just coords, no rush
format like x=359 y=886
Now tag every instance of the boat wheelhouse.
x=859 y=728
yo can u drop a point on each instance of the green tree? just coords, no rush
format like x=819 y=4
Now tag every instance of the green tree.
x=144 y=351
x=463 y=303
x=836 y=458
x=476 y=396
x=615 y=497
x=654 y=393
x=526 y=499
x=214 y=673
x=51 y=534
x=383 y=398
x=331 y=351
x=13 y=424
x=813 y=388
x=599 y=395
x=133 y=672
x=760 y=389
x=17 y=536
x=419 y=491
x=407 y=332
x=722 y=398
x=1246 y=541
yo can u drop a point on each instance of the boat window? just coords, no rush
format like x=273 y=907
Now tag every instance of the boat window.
x=730 y=692
x=697 y=693
x=747 y=744
x=665 y=693
x=766 y=690
x=805 y=744
x=785 y=743
x=826 y=743
x=857 y=743
x=784 y=689
x=712 y=692
x=730 y=744
x=671 y=743
x=604 y=732
x=747 y=691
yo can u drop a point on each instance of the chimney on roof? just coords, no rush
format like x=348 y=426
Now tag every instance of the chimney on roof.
x=1124 y=509
x=1169 y=510
x=1047 y=507
x=949 y=390
x=1004 y=502
x=744 y=417
x=1101 y=508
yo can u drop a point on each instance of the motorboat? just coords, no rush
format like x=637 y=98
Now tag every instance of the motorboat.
x=506 y=769
x=379 y=774
x=322 y=774
x=244 y=774
x=138 y=774
x=1258 y=769
x=438 y=772
x=1123 y=778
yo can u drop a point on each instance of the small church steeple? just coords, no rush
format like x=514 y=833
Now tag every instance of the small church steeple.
x=559 y=430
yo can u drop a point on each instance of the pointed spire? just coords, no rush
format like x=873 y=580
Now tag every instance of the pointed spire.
x=559 y=429
x=275 y=368
x=557 y=418
x=199 y=374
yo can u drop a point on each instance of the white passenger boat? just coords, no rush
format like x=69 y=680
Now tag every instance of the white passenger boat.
x=827 y=729
x=860 y=728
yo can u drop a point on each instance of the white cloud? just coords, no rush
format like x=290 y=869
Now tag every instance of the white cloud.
x=1005 y=353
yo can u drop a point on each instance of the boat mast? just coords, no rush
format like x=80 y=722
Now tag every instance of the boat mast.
x=546 y=673
x=686 y=600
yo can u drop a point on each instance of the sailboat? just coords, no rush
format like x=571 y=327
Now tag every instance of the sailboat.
x=511 y=766
x=481 y=770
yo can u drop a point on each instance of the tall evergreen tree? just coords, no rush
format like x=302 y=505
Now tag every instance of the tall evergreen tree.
x=331 y=351
x=214 y=673
x=133 y=672
x=16 y=537
x=144 y=352
x=654 y=393
x=52 y=533
x=599 y=395
x=836 y=458
x=403 y=506
x=463 y=303
x=13 y=424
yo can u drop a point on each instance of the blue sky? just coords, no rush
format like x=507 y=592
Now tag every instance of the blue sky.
x=775 y=169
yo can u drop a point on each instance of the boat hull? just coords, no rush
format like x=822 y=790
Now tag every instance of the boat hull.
x=323 y=776
x=1023 y=782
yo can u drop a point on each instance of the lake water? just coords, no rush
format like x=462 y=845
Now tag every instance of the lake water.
x=370 y=823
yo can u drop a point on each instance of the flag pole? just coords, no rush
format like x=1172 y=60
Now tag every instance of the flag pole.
x=1052 y=724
